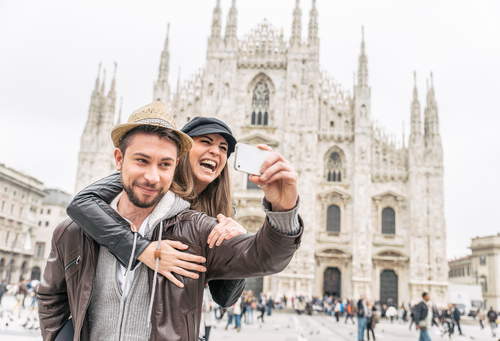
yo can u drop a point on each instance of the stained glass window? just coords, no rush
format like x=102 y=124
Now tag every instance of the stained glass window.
x=260 y=104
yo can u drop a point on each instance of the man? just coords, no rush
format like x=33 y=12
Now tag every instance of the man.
x=362 y=314
x=456 y=319
x=423 y=317
x=109 y=302
x=3 y=289
x=492 y=319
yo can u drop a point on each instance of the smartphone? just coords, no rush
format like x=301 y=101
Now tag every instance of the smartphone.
x=249 y=159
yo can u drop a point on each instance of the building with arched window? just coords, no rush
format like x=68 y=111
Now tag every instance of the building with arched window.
x=20 y=200
x=480 y=268
x=373 y=207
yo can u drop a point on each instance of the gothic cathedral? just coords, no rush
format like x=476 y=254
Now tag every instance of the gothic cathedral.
x=373 y=209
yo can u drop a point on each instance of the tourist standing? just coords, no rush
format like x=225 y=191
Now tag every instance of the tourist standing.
x=3 y=289
x=492 y=318
x=362 y=313
x=480 y=317
x=423 y=316
x=337 y=310
x=207 y=317
x=349 y=312
x=456 y=319
x=237 y=311
x=270 y=305
x=371 y=321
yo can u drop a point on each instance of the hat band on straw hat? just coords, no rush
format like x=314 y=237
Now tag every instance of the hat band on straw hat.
x=158 y=121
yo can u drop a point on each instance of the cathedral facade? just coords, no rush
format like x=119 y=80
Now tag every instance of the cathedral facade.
x=372 y=208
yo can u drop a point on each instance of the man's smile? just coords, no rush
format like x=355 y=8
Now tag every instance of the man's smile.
x=147 y=190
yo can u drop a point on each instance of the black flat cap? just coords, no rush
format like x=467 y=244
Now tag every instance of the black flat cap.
x=199 y=126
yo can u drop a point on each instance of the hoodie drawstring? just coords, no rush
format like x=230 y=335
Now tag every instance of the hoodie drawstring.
x=155 y=275
x=125 y=286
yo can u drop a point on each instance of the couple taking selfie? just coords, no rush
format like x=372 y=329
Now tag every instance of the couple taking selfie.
x=132 y=260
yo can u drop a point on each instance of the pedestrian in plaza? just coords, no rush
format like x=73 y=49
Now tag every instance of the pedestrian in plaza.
x=337 y=309
x=269 y=306
x=261 y=308
x=350 y=312
x=19 y=291
x=448 y=321
x=207 y=317
x=371 y=321
x=492 y=319
x=362 y=314
x=401 y=313
x=251 y=306
x=412 y=315
x=435 y=316
x=300 y=305
x=237 y=311
x=384 y=312
x=230 y=316
x=23 y=290
x=3 y=289
x=480 y=317
x=423 y=316
x=456 y=319
x=392 y=312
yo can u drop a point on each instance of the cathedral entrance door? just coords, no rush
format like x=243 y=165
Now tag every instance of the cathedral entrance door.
x=389 y=288
x=331 y=282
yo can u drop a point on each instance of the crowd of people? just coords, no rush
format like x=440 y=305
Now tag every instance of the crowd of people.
x=447 y=320
x=242 y=310
x=20 y=291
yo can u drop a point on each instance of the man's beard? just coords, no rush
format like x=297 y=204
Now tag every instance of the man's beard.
x=134 y=199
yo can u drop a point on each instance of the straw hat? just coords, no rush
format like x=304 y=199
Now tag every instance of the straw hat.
x=153 y=114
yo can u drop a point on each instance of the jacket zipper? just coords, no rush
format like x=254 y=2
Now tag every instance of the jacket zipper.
x=73 y=262
x=91 y=288
x=194 y=327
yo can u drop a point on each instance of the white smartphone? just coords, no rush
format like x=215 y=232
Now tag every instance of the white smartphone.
x=249 y=159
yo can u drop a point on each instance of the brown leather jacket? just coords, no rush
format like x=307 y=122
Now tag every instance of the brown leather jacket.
x=67 y=281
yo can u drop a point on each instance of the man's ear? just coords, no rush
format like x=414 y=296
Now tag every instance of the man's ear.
x=118 y=159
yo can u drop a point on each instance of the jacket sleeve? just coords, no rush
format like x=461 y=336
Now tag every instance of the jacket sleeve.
x=248 y=255
x=53 y=303
x=418 y=313
x=91 y=211
x=225 y=292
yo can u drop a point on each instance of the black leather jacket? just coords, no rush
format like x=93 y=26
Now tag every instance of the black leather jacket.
x=91 y=211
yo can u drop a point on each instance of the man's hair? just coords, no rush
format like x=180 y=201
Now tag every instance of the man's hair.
x=149 y=130
x=424 y=294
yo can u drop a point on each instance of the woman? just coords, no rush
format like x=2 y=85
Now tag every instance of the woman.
x=371 y=320
x=202 y=178
x=207 y=316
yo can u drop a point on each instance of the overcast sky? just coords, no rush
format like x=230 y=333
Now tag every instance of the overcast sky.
x=50 y=51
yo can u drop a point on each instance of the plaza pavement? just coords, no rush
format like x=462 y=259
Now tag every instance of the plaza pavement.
x=292 y=327
x=279 y=326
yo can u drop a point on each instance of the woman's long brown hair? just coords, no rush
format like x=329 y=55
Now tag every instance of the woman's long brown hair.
x=214 y=199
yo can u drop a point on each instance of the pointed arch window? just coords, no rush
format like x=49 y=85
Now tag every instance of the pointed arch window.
x=260 y=104
x=333 y=219
x=334 y=168
x=388 y=221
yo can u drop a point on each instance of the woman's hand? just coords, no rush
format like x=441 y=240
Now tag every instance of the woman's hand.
x=173 y=260
x=226 y=229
